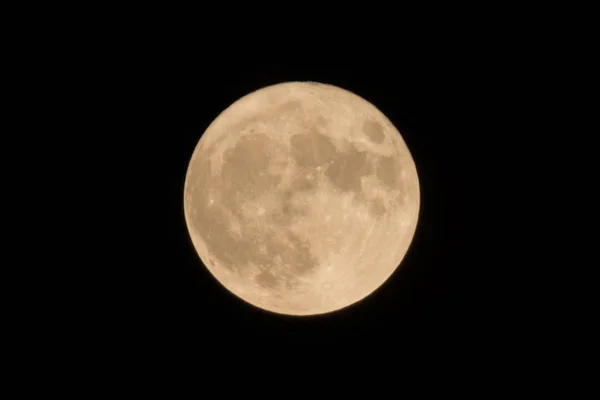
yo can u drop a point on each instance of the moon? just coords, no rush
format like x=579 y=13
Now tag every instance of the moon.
x=301 y=198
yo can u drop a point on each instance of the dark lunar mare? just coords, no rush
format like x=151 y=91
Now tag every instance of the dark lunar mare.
x=245 y=177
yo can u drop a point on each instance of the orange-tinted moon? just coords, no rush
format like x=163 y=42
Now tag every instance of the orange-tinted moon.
x=301 y=198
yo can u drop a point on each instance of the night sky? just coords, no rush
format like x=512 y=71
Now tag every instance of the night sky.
x=450 y=291
x=482 y=97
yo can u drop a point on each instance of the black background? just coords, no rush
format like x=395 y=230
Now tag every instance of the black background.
x=124 y=99
x=445 y=287
x=459 y=111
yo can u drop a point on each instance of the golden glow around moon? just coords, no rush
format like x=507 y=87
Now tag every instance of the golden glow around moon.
x=301 y=198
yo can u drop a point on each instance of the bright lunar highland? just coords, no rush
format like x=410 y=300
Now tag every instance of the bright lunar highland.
x=301 y=198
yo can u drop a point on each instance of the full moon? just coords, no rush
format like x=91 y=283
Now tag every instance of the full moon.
x=301 y=198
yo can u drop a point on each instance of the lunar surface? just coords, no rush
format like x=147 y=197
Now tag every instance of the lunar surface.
x=301 y=198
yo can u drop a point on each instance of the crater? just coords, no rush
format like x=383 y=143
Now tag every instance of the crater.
x=373 y=130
